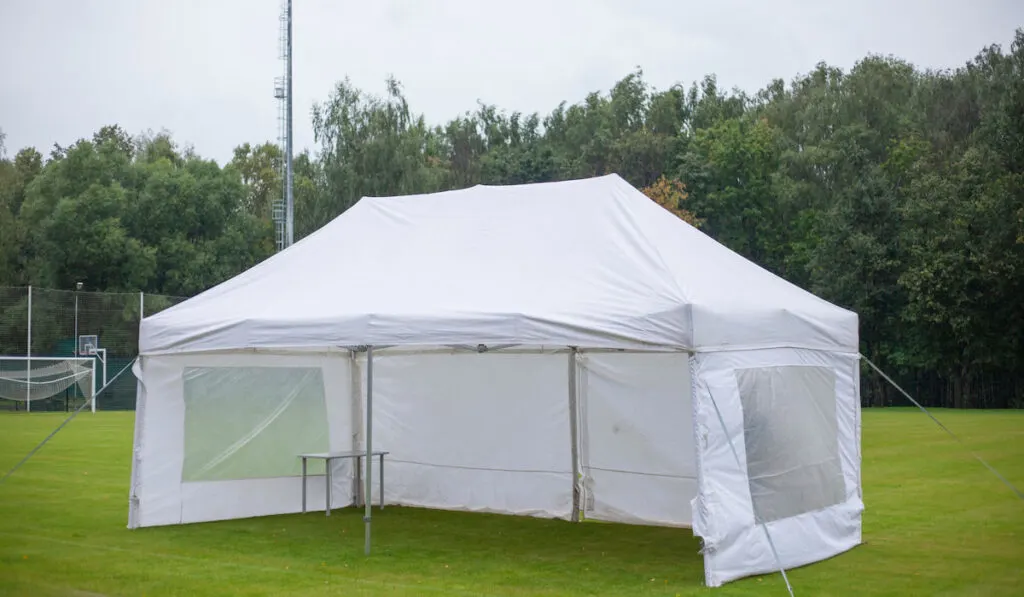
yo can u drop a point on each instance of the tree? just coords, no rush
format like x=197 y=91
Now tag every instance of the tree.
x=736 y=161
x=374 y=146
x=260 y=169
x=122 y=214
x=671 y=194
x=84 y=240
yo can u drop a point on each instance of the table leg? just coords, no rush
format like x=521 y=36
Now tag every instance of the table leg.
x=381 y=481
x=303 y=484
x=327 y=470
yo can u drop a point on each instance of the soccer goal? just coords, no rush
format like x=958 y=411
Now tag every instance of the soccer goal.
x=33 y=379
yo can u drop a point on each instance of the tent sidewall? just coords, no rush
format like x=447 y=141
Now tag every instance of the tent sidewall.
x=432 y=390
x=735 y=545
x=159 y=494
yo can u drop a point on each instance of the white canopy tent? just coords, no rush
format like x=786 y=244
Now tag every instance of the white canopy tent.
x=560 y=350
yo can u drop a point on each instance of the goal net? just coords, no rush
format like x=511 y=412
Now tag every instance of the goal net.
x=28 y=380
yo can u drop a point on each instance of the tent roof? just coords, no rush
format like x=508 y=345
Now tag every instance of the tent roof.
x=590 y=263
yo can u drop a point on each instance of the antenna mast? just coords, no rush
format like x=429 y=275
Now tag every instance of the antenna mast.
x=284 y=208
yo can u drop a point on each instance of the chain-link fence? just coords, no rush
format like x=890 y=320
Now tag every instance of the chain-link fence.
x=47 y=326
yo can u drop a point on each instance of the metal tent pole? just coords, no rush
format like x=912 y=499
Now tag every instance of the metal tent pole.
x=369 y=446
x=574 y=436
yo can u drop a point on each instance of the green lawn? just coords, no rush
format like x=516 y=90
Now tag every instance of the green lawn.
x=937 y=523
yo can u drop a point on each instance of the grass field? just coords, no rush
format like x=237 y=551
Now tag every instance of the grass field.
x=937 y=523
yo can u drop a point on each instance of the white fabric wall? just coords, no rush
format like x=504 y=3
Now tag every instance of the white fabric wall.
x=466 y=431
x=793 y=420
x=636 y=437
x=210 y=428
x=719 y=441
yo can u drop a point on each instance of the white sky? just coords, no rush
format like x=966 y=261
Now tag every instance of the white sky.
x=204 y=70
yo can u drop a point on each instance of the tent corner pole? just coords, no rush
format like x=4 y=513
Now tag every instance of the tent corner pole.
x=368 y=478
x=574 y=434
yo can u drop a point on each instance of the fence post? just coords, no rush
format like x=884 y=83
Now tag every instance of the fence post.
x=28 y=365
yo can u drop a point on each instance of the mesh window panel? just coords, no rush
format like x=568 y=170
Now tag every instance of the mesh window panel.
x=791 y=439
x=252 y=422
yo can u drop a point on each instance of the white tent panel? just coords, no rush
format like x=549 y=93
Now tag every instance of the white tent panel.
x=637 y=447
x=483 y=432
x=218 y=435
x=777 y=443
x=590 y=263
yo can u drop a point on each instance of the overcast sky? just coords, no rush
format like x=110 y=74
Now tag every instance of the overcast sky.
x=204 y=69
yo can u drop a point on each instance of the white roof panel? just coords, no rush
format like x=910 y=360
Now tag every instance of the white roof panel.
x=590 y=263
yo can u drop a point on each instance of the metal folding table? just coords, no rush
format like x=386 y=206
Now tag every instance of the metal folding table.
x=327 y=457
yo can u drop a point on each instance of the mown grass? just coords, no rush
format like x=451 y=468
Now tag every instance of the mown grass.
x=937 y=523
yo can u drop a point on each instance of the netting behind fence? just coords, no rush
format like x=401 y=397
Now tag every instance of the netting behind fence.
x=32 y=380
x=47 y=323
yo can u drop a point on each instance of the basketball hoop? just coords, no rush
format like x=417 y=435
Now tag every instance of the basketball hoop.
x=87 y=345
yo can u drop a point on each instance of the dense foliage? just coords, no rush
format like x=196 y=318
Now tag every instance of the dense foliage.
x=892 y=191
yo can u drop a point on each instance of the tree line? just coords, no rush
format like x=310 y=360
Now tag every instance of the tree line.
x=890 y=190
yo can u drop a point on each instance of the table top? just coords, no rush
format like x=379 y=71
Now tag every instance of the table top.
x=345 y=454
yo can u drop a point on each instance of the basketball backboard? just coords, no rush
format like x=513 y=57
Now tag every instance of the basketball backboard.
x=87 y=344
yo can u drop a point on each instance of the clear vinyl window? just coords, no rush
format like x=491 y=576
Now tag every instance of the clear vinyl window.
x=791 y=439
x=252 y=422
